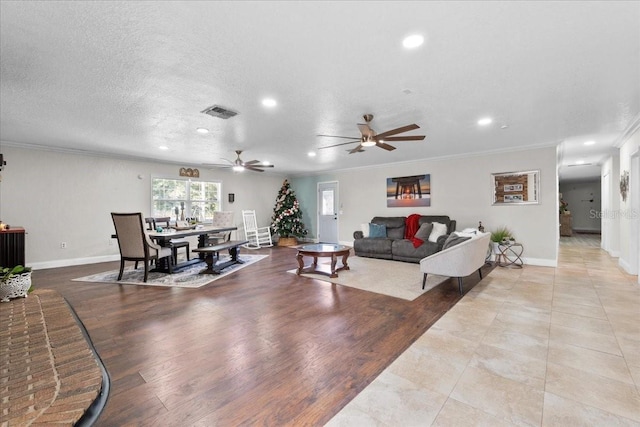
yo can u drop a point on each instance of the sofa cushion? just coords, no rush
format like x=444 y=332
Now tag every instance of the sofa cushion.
x=365 y=229
x=395 y=225
x=377 y=230
x=380 y=248
x=454 y=239
x=424 y=231
x=438 y=230
x=403 y=250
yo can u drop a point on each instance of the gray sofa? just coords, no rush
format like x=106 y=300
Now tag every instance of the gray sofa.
x=395 y=246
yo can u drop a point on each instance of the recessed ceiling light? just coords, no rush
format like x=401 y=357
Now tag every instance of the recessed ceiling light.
x=580 y=162
x=413 y=41
x=311 y=154
x=268 y=102
x=163 y=147
x=504 y=126
x=485 y=121
x=589 y=143
x=202 y=130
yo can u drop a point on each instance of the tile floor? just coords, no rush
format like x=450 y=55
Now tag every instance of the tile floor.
x=535 y=346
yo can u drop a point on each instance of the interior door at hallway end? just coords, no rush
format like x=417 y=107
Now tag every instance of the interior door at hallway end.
x=328 y=212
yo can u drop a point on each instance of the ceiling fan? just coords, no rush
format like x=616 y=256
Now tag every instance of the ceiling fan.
x=238 y=165
x=370 y=138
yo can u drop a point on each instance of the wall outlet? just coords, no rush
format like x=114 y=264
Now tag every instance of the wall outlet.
x=63 y=245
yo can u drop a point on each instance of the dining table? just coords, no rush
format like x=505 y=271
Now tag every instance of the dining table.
x=164 y=237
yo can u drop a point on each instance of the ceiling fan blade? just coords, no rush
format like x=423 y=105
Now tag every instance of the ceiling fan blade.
x=403 y=138
x=257 y=168
x=406 y=128
x=216 y=165
x=337 y=145
x=385 y=146
x=344 y=137
x=365 y=130
x=251 y=162
x=357 y=149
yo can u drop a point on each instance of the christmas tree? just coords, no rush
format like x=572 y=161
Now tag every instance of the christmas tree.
x=287 y=216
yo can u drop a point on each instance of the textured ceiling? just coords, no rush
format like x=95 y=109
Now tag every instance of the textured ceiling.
x=124 y=78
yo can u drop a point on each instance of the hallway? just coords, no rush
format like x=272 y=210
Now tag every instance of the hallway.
x=534 y=346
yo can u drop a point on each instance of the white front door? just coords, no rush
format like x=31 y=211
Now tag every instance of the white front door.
x=328 y=212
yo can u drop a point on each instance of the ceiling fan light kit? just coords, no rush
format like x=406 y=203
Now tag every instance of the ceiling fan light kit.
x=370 y=138
x=368 y=142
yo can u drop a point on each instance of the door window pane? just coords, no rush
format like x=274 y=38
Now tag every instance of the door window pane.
x=327 y=202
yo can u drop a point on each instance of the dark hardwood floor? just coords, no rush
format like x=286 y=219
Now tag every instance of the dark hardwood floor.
x=258 y=347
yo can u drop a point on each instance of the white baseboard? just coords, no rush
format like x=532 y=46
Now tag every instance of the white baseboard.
x=626 y=266
x=70 y=262
x=542 y=262
x=614 y=254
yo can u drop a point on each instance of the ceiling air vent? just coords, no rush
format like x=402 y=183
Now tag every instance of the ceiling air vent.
x=220 y=112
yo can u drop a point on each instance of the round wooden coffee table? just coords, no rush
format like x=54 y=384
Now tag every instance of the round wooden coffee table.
x=323 y=250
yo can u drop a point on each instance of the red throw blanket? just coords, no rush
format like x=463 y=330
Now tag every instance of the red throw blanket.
x=411 y=226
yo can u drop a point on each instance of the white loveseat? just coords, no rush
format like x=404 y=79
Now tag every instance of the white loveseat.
x=458 y=261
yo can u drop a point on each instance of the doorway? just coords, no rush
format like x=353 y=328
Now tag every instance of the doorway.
x=328 y=212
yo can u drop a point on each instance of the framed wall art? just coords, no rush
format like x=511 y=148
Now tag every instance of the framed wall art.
x=409 y=191
x=516 y=188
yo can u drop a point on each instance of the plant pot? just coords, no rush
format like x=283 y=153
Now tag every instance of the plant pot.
x=15 y=286
x=287 y=241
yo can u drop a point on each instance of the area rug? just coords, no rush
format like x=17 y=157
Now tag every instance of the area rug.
x=393 y=278
x=190 y=277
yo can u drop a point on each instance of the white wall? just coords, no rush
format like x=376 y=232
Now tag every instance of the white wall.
x=628 y=213
x=460 y=188
x=611 y=205
x=584 y=198
x=59 y=197
x=67 y=197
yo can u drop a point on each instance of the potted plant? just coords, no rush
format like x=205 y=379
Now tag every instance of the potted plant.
x=564 y=207
x=14 y=282
x=500 y=235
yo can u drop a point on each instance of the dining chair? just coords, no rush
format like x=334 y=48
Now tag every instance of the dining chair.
x=151 y=223
x=257 y=236
x=221 y=219
x=174 y=244
x=135 y=244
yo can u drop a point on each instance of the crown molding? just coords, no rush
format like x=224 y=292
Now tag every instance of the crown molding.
x=633 y=127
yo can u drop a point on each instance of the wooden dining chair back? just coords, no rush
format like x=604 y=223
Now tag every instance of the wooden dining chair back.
x=257 y=236
x=135 y=244
x=175 y=244
x=151 y=223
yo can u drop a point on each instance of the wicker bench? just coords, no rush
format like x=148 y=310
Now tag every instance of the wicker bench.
x=212 y=255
